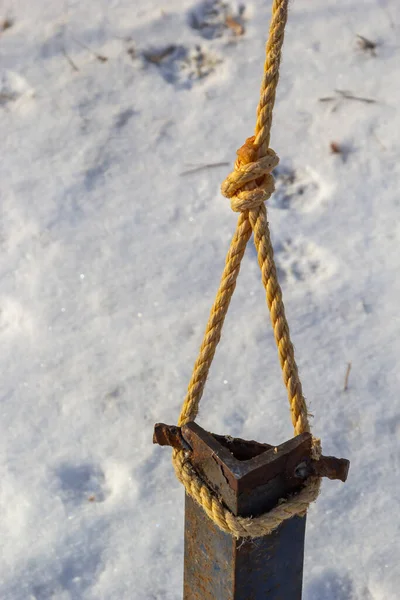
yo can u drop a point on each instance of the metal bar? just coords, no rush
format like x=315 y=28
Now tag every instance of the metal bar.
x=220 y=567
x=250 y=478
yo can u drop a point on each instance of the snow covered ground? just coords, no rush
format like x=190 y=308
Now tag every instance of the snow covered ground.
x=111 y=254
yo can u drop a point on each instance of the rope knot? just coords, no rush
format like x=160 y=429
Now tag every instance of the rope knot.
x=249 y=169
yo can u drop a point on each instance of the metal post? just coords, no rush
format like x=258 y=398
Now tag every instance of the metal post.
x=250 y=478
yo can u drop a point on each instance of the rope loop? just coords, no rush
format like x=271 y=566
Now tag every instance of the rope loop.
x=250 y=169
x=248 y=187
x=246 y=527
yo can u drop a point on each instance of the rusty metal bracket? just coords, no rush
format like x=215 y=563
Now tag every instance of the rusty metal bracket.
x=193 y=438
x=250 y=478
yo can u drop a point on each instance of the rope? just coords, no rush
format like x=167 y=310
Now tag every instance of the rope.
x=245 y=526
x=248 y=187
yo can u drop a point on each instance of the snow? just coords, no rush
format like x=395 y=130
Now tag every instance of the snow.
x=111 y=255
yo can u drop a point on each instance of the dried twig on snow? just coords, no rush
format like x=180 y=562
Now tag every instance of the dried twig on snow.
x=99 y=57
x=350 y=96
x=69 y=59
x=346 y=379
x=366 y=45
x=235 y=25
x=344 y=94
x=201 y=167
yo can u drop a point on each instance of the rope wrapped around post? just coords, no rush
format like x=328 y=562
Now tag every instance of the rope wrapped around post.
x=248 y=187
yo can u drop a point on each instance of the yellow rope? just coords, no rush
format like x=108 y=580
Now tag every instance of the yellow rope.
x=241 y=526
x=248 y=187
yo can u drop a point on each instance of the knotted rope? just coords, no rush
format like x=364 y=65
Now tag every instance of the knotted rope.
x=259 y=172
x=248 y=187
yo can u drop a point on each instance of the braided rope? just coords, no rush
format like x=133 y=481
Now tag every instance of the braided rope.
x=248 y=187
x=248 y=527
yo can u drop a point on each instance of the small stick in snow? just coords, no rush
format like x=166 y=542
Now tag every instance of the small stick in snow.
x=346 y=379
x=99 y=57
x=235 y=25
x=345 y=95
x=327 y=99
x=350 y=96
x=366 y=44
x=201 y=167
x=330 y=99
x=69 y=59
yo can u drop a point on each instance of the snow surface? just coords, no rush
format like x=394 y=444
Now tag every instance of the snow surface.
x=111 y=255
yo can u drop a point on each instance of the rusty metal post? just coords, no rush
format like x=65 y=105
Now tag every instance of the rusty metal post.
x=250 y=478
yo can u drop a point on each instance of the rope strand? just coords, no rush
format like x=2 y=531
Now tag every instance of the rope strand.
x=248 y=187
x=214 y=326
